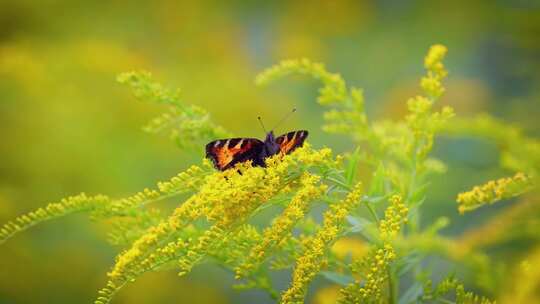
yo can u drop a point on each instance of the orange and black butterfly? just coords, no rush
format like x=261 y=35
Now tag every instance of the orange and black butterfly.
x=225 y=153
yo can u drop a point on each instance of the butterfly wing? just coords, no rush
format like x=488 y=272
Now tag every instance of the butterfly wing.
x=290 y=141
x=225 y=153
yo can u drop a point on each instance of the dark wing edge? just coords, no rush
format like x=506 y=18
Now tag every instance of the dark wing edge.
x=288 y=142
x=225 y=153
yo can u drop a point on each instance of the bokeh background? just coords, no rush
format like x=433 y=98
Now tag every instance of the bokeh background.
x=66 y=126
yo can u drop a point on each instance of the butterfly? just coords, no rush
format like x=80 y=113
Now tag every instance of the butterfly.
x=225 y=153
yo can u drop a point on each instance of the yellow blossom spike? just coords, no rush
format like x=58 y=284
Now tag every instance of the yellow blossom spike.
x=375 y=265
x=461 y=295
x=494 y=191
x=423 y=123
x=101 y=206
x=72 y=204
x=309 y=263
x=431 y=84
x=394 y=216
x=284 y=223
x=225 y=199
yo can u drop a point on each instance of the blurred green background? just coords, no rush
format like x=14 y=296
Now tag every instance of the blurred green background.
x=67 y=126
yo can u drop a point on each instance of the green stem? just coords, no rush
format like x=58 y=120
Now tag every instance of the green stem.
x=392 y=287
x=340 y=183
x=372 y=212
x=445 y=301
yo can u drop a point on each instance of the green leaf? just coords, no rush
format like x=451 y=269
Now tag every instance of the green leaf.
x=375 y=199
x=377 y=182
x=352 y=167
x=358 y=223
x=339 y=278
x=418 y=196
x=412 y=294
x=363 y=226
x=408 y=262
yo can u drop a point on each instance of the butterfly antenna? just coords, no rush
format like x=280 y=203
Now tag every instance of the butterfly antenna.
x=284 y=118
x=262 y=125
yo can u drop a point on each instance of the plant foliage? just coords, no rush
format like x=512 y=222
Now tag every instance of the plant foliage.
x=369 y=239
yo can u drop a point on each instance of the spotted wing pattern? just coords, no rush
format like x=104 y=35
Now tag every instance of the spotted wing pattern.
x=290 y=141
x=225 y=153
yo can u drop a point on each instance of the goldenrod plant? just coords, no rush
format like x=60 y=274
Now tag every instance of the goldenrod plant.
x=368 y=240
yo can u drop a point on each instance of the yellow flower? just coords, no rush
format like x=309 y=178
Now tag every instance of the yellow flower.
x=461 y=295
x=284 y=223
x=309 y=263
x=422 y=122
x=224 y=199
x=72 y=204
x=433 y=60
x=394 y=216
x=431 y=84
x=375 y=265
x=191 y=179
x=376 y=274
x=494 y=191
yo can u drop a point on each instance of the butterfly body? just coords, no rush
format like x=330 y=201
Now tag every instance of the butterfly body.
x=271 y=147
x=225 y=153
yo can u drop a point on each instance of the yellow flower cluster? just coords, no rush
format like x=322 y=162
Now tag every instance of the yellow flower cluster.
x=310 y=262
x=375 y=265
x=128 y=263
x=494 y=191
x=183 y=215
x=231 y=195
x=161 y=256
x=424 y=124
x=250 y=187
x=184 y=182
x=119 y=207
x=190 y=179
x=421 y=121
x=233 y=251
x=394 y=216
x=210 y=239
x=102 y=206
x=127 y=229
x=436 y=71
x=165 y=254
x=284 y=223
x=229 y=198
x=72 y=204
x=462 y=296
x=306 y=155
x=226 y=199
